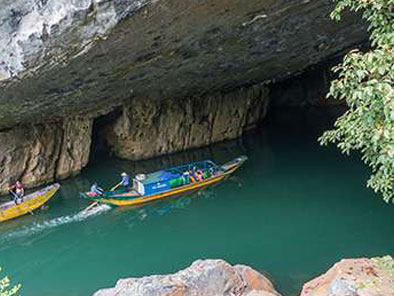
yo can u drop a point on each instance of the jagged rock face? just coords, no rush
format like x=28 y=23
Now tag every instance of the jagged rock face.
x=202 y=278
x=41 y=153
x=47 y=32
x=150 y=127
x=355 y=277
x=94 y=54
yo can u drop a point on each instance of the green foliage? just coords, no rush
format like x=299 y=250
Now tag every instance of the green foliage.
x=5 y=289
x=366 y=82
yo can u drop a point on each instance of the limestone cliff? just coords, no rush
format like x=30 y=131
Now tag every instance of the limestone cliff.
x=152 y=127
x=41 y=153
x=147 y=127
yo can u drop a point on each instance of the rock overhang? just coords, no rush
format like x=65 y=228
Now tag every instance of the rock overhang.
x=162 y=49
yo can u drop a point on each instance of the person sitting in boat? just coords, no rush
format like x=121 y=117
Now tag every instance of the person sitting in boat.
x=191 y=176
x=95 y=189
x=125 y=181
x=17 y=191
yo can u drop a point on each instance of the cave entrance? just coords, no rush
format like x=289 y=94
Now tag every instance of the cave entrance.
x=99 y=146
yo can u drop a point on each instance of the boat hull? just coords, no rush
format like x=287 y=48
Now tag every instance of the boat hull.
x=130 y=199
x=31 y=202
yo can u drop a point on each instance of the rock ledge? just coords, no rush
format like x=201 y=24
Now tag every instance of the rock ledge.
x=202 y=278
x=355 y=277
x=349 y=277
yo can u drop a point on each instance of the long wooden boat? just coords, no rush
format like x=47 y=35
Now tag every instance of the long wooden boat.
x=9 y=210
x=170 y=182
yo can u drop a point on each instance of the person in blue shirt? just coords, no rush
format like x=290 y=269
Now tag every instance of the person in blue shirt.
x=125 y=181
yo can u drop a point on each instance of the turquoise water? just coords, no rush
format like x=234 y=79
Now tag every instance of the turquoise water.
x=293 y=210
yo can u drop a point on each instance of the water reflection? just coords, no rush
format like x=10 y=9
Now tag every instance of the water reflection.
x=160 y=208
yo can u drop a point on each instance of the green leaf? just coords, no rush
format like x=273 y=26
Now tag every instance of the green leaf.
x=365 y=80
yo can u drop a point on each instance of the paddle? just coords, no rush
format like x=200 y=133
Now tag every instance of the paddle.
x=30 y=211
x=91 y=206
x=116 y=186
x=25 y=206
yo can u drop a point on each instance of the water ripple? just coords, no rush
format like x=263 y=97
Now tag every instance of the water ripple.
x=38 y=227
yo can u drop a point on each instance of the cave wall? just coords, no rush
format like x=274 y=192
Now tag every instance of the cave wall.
x=146 y=127
x=38 y=154
x=42 y=153
x=150 y=127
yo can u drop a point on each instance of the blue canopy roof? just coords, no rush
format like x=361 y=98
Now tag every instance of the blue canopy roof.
x=176 y=172
x=160 y=176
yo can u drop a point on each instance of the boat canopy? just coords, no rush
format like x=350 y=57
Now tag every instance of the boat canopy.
x=175 y=172
x=200 y=165
x=160 y=176
x=168 y=178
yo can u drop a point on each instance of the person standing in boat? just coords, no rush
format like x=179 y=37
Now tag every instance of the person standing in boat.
x=125 y=181
x=17 y=191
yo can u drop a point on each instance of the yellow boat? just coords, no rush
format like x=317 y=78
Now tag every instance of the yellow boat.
x=169 y=182
x=9 y=210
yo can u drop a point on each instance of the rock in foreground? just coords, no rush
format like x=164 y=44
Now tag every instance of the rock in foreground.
x=355 y=277
x=202 y=278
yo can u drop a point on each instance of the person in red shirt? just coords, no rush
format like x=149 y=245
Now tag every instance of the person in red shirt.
x=17 y=191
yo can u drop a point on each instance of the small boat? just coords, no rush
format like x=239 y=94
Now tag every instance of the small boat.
x=9 y=210
x=169 y=182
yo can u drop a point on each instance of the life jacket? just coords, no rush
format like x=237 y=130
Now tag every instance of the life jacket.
x=192 y=178
x=199 y=175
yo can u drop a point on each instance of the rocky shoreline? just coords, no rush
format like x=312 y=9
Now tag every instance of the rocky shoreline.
x=349 y=277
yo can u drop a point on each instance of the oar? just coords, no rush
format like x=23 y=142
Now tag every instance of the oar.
x=116 y=186
x=91 y=206
x=30 y=211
